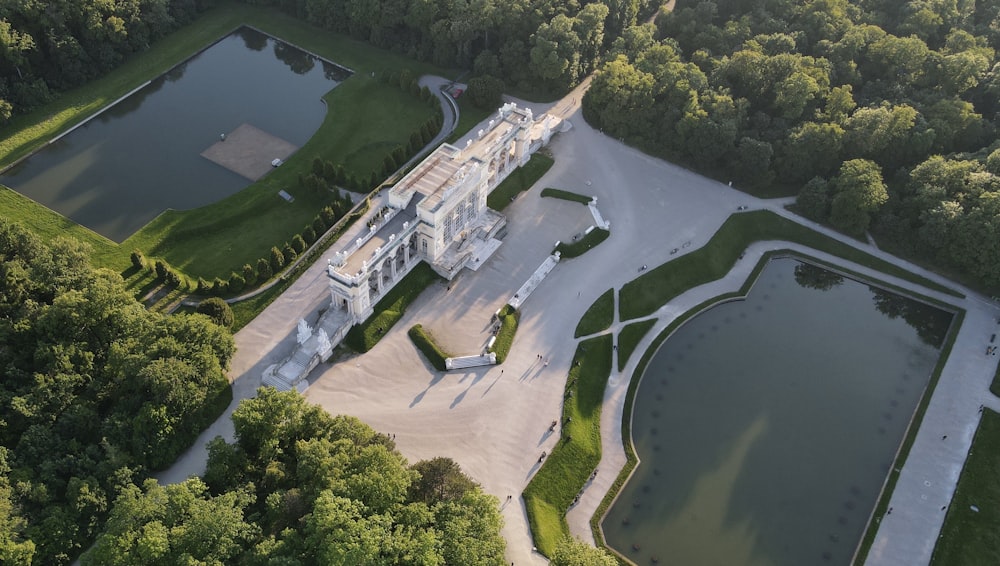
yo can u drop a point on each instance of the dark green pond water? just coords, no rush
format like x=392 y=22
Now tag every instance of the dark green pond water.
x=118 y=171
x=766 y=427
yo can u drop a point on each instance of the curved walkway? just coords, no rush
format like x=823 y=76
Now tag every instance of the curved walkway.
x=494 y=421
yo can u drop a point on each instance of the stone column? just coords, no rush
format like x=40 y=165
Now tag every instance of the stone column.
x=392 y=265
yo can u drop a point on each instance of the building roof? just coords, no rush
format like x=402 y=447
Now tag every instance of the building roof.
x=447 y=166
x=380 y=239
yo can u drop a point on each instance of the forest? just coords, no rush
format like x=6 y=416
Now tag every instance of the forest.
x=50 y=46
x=97 y=392
x=880 y=115
x=299 y=487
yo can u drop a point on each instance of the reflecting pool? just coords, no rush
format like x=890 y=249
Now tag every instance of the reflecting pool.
x=118 y=171
x=766 y=427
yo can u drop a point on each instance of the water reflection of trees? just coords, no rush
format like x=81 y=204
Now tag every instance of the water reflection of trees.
x=133 y=101
x=297 y=60
x=814 y=277
x=253 y=39
x=930 y=323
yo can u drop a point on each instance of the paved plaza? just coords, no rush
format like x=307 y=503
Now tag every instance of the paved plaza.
x=494 y=421
x=248 y=151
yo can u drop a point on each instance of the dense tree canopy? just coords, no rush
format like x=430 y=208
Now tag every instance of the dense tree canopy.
x=542 y=46
x=96 y=390
x=301 y=487
x=777 y=95
x=48 y=46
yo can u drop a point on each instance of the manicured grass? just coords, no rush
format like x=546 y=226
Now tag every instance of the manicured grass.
x=995 y=386
x=365 y=120
x=509 y=317
x=598 y=317
x=521 y=179
x=391 y=308
x=644 y=295
x=566 y=195
x=583 y=245
x=968 y=537
x=424 y=342
x=469 y=115
x=628 y=339
x=566 y=470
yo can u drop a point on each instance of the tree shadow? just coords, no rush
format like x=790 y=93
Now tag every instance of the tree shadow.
x=420 y=396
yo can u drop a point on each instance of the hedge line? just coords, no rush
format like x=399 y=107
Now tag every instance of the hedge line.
x=509 y=318
x=424 y=342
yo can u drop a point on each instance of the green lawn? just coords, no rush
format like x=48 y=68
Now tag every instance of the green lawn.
x=598 y=317
x=644 y=295
x=968 y=537
x=628 y=339
x=365 y=120
x=995 y=385
x=469 y=115
x=566 y=470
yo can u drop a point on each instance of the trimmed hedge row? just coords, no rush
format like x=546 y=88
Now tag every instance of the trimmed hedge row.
x=424 y=342
x=390 y=308
x=566 y=195
x=509 y=318
x=583 y=245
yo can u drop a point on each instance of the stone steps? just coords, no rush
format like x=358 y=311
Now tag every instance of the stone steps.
x=463 y=362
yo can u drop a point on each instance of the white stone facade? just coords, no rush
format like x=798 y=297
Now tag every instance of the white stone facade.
x=436 y=213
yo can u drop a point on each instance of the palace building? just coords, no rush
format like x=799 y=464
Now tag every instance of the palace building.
x=436 y=213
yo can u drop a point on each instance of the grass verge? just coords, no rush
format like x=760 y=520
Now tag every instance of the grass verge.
x=509 y=318
x=628 y=339
x=424 y=342
x=390 y=308
x=566 y=471
x=968 y=537
x=995 y=386
x=583 y=245
x=598 y=317
x=566 y=195
x=644 y=295
x=521 y=179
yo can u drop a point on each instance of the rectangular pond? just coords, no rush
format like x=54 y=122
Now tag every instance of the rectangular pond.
x=119 y=170
x=766 y=427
